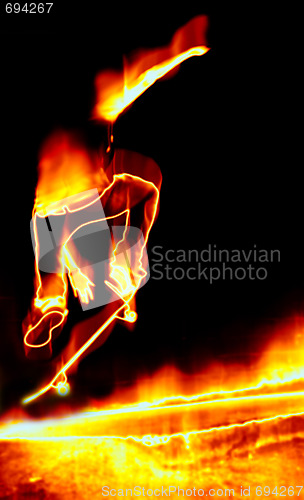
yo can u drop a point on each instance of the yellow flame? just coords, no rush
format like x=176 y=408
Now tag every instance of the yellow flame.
x=110 y=108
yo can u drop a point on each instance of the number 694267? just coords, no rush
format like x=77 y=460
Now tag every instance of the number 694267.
x=28 y=8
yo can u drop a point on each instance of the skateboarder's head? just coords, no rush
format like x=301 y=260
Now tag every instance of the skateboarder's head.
x=67 y=166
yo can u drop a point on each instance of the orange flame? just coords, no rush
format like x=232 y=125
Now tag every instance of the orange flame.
x=267 y=393
x=119 y=195
x=117 y=90
x=170 y=433
x=67 y=171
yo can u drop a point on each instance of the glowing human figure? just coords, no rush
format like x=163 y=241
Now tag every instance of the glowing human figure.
x=129 y=197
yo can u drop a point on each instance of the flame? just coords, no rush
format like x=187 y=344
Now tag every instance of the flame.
x=169 y=440
x=117 y=90
x=67 y=174
x=66 y=167
x=49 y=309
x=169 y=435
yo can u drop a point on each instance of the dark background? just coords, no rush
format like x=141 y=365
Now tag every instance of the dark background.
x=223 y=131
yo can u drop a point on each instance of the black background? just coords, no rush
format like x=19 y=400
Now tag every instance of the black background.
x=224 y=132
